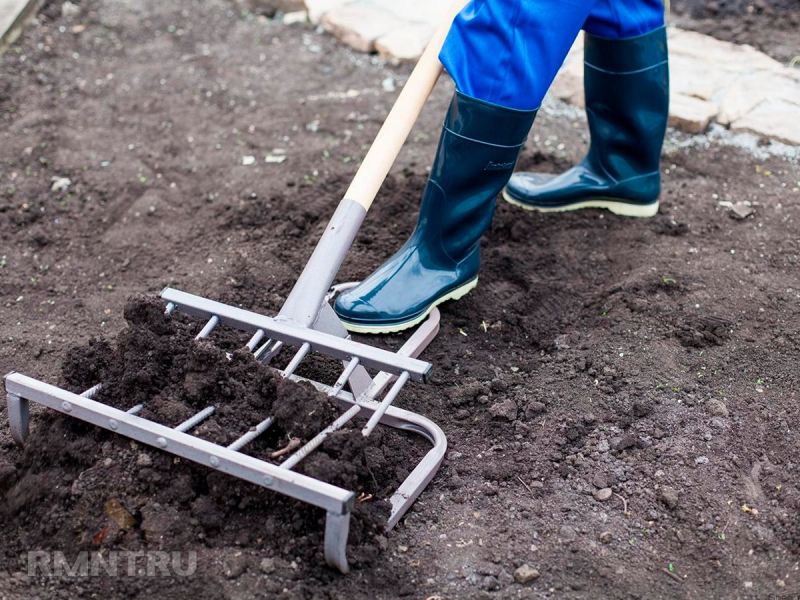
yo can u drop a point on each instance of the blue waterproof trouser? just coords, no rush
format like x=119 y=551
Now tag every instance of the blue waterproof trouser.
x=508 y=51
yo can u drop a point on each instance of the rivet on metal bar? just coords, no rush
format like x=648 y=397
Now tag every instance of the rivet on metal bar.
x=385 y=403
x=295 y=362
x=170 y=307
x=257 y=337
x=252 y=434
x=191 y=422
x=209 y=327
x=315 y=442
x=351 y=366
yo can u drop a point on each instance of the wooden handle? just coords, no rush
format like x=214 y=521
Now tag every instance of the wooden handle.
x=401 y=118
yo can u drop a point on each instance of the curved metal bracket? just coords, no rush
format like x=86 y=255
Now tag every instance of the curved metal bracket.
x=18 y=418
x=337 y=528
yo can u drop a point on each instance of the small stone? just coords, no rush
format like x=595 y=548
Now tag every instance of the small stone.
x=701 y=460
x=60 y=184
x=497 y=385
x=297 y=16
x=526 y=574
x=740 y=210
x=490 y=583
x=267 y=565
x=669 y=496
x=234 y=565
x=567 y=534
x=716 y=408
x=627 y=440
x=504 y=577
x=606 y=537
x=274 y=159
x=602 y=495
x=388 y=84
x=505 y=410
x=602 y=480
x=533 y=409
x=382 y=542
x=144 y=460
x=68 y=9
x=603 y=446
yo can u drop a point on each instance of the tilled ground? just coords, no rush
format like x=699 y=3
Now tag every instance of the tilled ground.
x=620 y=396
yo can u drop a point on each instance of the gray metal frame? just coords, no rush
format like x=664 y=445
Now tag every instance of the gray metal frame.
x=337 y=502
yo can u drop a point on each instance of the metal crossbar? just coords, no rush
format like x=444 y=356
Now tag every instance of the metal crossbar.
x=294 y=335
x=395 y=368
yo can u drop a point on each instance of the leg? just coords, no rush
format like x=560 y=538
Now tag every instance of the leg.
x=627 y=107
x=507 y=52
x=503 y=55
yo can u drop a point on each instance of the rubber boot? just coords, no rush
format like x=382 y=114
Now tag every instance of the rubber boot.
x=477 y=152
x=626 y=85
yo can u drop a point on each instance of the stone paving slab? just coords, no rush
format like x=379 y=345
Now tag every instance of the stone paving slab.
x=12 y=14
x=711 y=81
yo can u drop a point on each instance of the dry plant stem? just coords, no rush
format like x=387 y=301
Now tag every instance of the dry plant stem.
x=671 y=574
x=624 y=504
x=527 y=487
x=293 y=443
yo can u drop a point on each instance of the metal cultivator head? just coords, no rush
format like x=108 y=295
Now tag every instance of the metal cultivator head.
x=269 y=336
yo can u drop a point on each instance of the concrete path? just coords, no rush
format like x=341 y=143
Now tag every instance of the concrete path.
x=711 y=80
x=12 y=14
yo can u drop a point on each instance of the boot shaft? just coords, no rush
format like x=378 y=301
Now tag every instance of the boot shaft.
x=627 y=103
x=477 y=152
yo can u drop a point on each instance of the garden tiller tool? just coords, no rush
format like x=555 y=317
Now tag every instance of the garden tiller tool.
x=306 y=323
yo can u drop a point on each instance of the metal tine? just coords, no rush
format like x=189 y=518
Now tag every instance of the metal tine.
x=192 y=422
x=315 y=442
x=92 y=391
x=208 y=328
x=340 y=383
x=257 y=337
x=170 y=308
x=264 y=347
x=295 y=362
x=265 y=353
x=385 y=403
x=252 y=434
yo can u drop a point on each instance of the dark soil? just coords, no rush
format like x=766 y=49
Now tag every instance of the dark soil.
x=656 y=358
x=771 y=26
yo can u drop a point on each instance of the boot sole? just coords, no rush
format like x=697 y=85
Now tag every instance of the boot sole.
x=456 y=294
x=624 y=209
